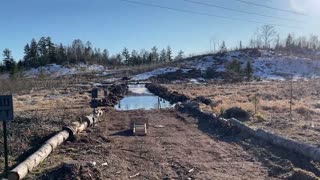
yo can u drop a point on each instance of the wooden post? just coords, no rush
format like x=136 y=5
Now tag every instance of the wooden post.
x=255 y=103
x=291 y=98
x=6 y=161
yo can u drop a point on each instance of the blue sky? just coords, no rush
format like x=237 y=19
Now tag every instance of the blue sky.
x=114 y=24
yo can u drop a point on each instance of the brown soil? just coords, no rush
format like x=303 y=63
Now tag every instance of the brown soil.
x=179 y=150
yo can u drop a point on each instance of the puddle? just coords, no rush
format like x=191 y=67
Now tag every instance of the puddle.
x=139 y=97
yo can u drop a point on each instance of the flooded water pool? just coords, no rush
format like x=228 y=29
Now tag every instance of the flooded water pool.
x=139 y=97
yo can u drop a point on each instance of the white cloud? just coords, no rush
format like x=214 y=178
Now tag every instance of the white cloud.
x=310 y=7
x=298 y=6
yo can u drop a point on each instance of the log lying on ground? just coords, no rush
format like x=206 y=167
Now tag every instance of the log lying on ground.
x=304 y=149
x=192 y=107
x=307 y=150
x=41 y=154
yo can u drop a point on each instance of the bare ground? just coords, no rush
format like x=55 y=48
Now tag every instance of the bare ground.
x=184 y=148
x=179 y=150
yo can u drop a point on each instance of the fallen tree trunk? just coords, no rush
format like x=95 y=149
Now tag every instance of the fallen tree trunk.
x=41 y=154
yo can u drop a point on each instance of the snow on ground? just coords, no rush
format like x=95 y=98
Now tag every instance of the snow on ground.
x=139 y=89
x=268 y=66
x=147 y=75
x=4 y=76
x=54 y=70
x=201 y=64
x=286 y=67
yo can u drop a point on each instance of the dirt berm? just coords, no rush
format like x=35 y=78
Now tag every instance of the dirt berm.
x=113 y=94
x=163 y=92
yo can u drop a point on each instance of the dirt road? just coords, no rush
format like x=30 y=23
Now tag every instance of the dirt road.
x=175 y=148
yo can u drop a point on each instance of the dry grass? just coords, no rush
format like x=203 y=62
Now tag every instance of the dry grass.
x=273 y=106
x=42 y=107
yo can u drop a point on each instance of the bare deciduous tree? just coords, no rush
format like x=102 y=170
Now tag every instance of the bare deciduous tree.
x=268 y=34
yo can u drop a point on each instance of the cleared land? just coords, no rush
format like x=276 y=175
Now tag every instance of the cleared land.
x=178 y=150
x=273 y=107
x=185 y=147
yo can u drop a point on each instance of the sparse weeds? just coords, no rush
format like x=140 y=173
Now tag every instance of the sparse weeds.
x=272 y=102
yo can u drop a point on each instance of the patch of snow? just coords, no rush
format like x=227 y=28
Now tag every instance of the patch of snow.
x=185 y=70
x=269 y=66
x=4 y=76
x=197 y=81
x=201 y=64
x=54 y=70
x=156 y=72
x=280 y=68
x=138 y=89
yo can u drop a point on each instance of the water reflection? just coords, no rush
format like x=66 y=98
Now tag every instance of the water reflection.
x=139 y=97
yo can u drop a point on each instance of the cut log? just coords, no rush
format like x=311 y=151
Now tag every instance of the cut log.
x=36 y=158
x=43 y=152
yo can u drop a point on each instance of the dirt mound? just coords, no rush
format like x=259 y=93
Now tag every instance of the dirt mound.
x=113 y=95
x=301 y=174
x=237 y=113
x=203 y=100
x=163 y=92
x=73 y=171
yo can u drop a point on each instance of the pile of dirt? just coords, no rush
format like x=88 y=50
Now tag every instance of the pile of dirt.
x=203 y=100
x=73 y=171
x=163 y=92
x=113 y=95
x=237 y=113
x=302 y=174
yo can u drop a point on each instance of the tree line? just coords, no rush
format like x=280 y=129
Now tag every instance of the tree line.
x=44 y=52
x=267 y=37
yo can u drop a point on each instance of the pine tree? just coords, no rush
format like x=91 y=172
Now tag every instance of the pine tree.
x=34 y=55
x=126 y=55
x=155 y=55
x=26 y=57
x=118 y=59
x=169 y=54
x=249 y=70
x=289 y=42
x=179 y=56
x=88 y=51
x=42 y=47
x=52 y=56
x=10 y=64
x=134 y=58
x=61 y=54
x=163 y=55
x=105 y=56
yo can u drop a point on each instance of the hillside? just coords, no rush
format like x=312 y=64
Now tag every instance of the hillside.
x=267 y=64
